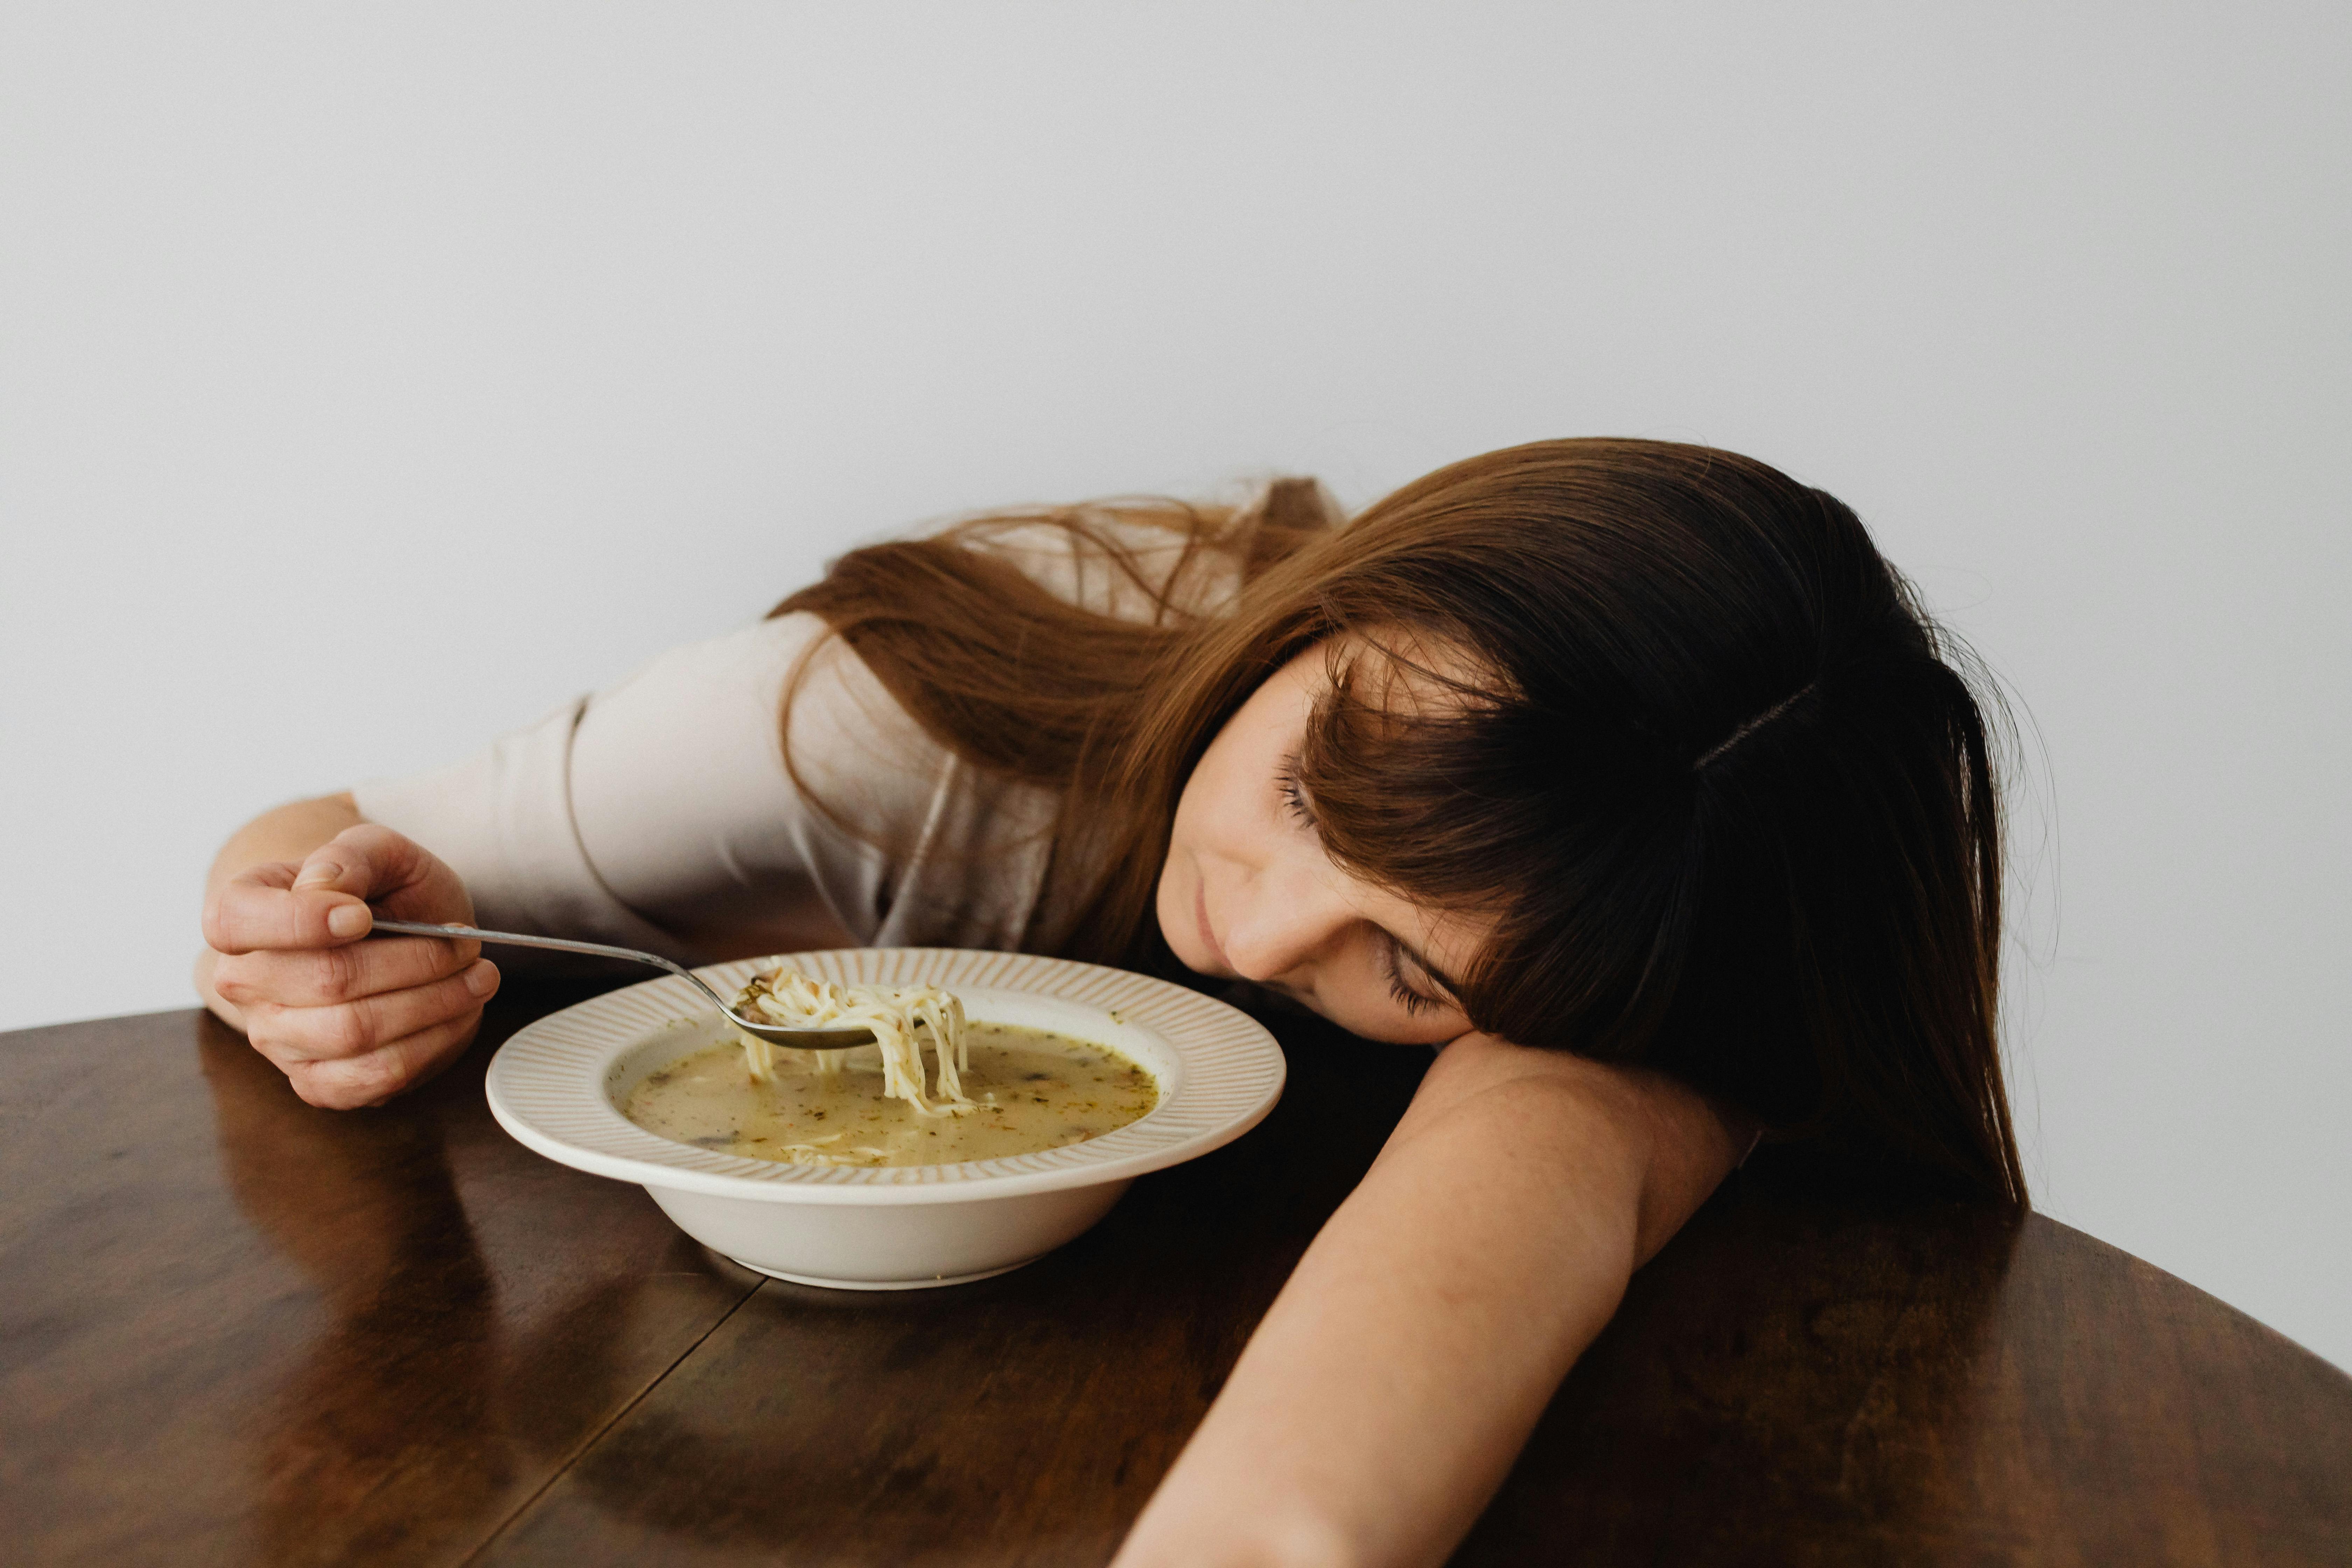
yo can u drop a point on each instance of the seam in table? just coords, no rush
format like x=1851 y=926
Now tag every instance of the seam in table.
x=590 y=1441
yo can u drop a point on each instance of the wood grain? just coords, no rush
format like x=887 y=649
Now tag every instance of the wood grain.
x=1801 y=1382
x=237 y=1329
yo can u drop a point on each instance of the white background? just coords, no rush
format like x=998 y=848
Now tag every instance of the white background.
x=377 y=376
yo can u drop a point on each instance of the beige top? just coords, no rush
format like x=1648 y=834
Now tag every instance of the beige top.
x=660 y=807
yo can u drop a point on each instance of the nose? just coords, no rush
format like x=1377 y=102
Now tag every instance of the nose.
x=1285 y=920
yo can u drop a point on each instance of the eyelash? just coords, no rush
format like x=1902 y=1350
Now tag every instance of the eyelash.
x=1292 y=794
x=1412 y=1001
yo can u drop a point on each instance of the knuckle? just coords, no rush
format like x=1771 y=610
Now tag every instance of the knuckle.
x=376 y=1076
x=231 y=984
x=265 y=1024
x=318 y=1086
x=331 y=1032
x=369 y=850
x=351 y=1028
x=223 y=928
x=339 y=978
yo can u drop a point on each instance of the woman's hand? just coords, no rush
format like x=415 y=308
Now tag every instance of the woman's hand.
x=349 y=1021
x=1385 y=1395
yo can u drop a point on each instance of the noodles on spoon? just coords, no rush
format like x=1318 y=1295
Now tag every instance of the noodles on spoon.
x=893 y=1012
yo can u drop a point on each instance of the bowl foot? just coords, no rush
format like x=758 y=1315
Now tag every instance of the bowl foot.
x=930 y=1283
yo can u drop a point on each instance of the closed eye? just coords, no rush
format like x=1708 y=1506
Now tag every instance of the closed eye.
x=1393 y=960
x=1394 y=954
x=1293 y=793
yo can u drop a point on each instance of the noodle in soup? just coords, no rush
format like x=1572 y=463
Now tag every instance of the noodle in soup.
x=1020 y=1090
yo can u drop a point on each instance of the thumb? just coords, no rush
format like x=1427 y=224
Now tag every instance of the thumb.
x=367 y=862
x=332 y=869
x=323 y=872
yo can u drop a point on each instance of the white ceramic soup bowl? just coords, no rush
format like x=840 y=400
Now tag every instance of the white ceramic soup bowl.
x=559 y=1084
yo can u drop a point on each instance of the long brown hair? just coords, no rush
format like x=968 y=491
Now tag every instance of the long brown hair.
x=1717 y=778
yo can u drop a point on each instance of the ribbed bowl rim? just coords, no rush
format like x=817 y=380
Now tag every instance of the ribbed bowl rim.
x=546 y=1083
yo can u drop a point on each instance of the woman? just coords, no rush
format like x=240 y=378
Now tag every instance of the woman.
x=1627 y=772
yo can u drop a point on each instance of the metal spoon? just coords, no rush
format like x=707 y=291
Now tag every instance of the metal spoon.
x=774 y=1034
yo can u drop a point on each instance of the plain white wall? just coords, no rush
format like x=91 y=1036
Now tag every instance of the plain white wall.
x=376 y=377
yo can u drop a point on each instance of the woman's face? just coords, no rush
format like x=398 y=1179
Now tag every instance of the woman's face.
x=1249 y=889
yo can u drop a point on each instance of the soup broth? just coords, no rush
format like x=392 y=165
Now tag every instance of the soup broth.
x=1032 y=1089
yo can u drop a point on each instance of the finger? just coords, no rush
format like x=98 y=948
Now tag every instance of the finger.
x=359 y=864
x=288 y=1036
x=324 y=976
x=370 y=862
x=390 y=1069
x=260 y=908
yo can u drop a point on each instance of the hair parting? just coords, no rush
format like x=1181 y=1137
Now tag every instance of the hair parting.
x=1751 y=726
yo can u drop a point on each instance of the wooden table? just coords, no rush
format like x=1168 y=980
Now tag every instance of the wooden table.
x=237 y=1329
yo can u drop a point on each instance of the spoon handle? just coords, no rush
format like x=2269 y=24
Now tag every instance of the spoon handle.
x=802 y=1040
x=561 y=945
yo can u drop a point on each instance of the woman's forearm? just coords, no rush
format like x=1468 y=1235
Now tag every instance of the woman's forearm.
x=1390 y=1388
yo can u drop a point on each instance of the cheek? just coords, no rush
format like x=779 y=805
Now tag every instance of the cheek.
x=1214 y=812
x=1181 y=879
